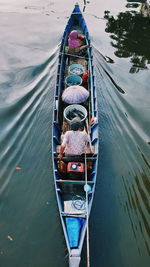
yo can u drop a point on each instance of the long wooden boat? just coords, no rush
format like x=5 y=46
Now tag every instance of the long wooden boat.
x=75 y=190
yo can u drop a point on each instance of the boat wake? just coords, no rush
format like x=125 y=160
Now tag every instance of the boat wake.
x=20 y=111
x=125 y=145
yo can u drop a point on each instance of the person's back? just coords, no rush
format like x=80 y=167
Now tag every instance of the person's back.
x=74 y=142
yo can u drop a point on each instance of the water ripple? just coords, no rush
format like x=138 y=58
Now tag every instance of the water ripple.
x=19 y=116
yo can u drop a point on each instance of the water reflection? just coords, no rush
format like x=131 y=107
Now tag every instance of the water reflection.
x=139 y=1
x=138 y=208
x=130 y=35
x=85 y=2
x=134 y=5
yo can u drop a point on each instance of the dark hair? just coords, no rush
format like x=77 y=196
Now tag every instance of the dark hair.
x=76 y=124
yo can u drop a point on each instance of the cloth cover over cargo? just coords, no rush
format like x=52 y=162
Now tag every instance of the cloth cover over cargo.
x=75 y=94
x=74 y=226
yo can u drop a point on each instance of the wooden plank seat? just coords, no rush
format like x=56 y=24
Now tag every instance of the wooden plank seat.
x=77 y=158
x=83 y=215
x=80 y=182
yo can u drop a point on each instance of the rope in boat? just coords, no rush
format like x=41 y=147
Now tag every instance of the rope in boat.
x=78 y=202
x=87 y=216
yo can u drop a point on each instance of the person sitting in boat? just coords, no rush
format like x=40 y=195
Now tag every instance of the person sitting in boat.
x=74 y=141
x=76 y=43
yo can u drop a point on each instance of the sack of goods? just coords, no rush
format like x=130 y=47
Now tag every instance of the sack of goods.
x=62 y=166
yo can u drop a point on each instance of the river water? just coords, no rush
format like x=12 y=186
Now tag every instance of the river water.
x=30 y=229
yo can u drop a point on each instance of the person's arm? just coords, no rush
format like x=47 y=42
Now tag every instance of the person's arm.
x=63 y=145
x=62 y=148
x=83 y=47
x=88 y=141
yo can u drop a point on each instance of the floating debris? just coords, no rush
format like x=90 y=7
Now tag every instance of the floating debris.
x=18 y=168
x=9 y=238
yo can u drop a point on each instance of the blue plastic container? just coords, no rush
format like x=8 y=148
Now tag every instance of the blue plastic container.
x=73 y=80
x=76 y=69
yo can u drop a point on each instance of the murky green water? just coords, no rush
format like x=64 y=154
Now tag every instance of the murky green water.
x=30 y=229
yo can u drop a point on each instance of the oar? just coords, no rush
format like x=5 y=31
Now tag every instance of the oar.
x=72 y=55
x=88 y=130
x=87 y=213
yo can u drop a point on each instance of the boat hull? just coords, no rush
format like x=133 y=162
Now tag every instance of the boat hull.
x=73 y=190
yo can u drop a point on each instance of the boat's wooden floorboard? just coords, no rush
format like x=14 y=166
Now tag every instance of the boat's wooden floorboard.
x=74 y=181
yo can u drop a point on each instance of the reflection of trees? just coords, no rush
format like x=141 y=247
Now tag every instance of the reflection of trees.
x=131 y=35
x=140 y=1
x=132 y=5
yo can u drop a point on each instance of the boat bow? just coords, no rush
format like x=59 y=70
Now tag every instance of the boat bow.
x=74 y=258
